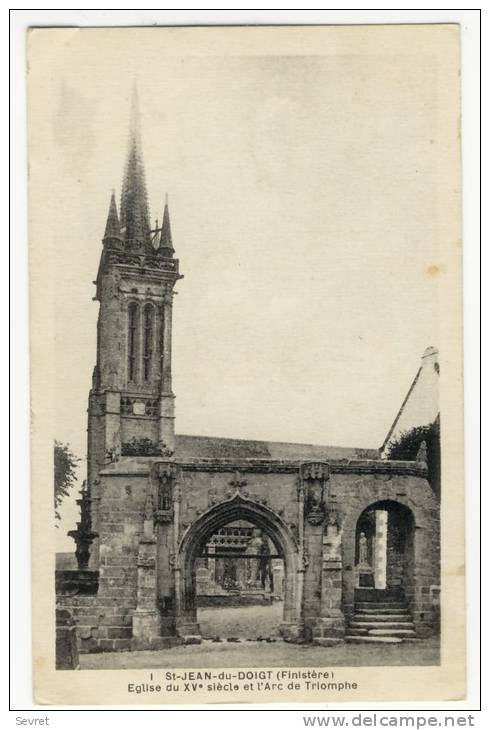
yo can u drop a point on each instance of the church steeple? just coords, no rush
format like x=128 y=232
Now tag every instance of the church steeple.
x=135 y=216
x=165 y=246
x=112 y=227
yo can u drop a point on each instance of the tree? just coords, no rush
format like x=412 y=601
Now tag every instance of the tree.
x=405 y=448
x=65 y=476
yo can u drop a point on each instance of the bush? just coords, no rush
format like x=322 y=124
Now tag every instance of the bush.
x=406 y=446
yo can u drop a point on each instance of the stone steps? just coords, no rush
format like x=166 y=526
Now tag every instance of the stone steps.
x=401 y=633
x=400 y=618
x=383 y=604
x=353 y=639
x=380 y=625
x=386 y=622
x=380 y=611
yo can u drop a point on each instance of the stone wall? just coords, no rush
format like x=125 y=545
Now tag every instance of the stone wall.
x=139 y=428
x=105 y=620
x=355 y=495
x=325 y=588
x=202 y=487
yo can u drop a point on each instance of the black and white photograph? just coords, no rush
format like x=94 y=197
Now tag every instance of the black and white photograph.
x=246 y=336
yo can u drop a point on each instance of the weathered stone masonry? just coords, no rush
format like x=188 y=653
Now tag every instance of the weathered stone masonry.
x=139 y=572
x=153 y=499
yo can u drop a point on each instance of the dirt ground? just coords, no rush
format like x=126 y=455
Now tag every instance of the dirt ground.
x=247 y=624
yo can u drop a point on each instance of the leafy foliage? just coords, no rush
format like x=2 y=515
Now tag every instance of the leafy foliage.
x=405 y=448
x=65 y=476
x=142 y=447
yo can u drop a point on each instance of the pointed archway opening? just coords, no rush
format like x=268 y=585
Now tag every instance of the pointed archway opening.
x=384 y=551
x=239 y=584
x=239 y=568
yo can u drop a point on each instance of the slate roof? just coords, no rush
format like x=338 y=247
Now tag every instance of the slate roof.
x=214 y=447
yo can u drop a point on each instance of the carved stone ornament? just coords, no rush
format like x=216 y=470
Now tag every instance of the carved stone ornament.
x=149 y=516
x=314 y=471
x=113 y=454
x=164 y=493
x=238 y=482
x=314 y=475
x=83 y=535
x=149 y=507
x=332 y=540
x=165 y=490
x=177 y=492
x=305 y=558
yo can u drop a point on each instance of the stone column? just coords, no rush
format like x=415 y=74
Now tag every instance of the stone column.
x=146 y=617
x=176 y=559
x=66 y=640
x=278 y=573
x=329 y=629
x=293 y=629
x=421 y=605
x=112 y=425
x=186 y=625
x=167 y=398
x=212 y=562
x=380 y=548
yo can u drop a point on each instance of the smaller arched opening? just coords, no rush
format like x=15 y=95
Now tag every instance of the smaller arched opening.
x=384 y=549
x=132 y=349
x=148 y=319
x=239 y=564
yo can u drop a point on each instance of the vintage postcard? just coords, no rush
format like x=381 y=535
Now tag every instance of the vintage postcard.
x=246 y=343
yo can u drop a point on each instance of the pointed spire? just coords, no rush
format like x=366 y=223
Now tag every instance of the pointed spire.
x=166 y=234
x=112 y=227
x=135 y=216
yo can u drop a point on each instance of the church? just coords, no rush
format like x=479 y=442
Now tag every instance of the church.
x=345 y=540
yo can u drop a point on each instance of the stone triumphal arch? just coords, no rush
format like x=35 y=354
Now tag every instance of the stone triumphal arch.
x=348 y=526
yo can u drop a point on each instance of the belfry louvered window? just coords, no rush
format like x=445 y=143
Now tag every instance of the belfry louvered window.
x=132 y=339
x=147 y=340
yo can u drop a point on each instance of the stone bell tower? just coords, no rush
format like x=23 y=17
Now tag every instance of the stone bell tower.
x=131 y=403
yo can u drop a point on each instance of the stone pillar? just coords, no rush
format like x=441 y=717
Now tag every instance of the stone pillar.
x=146 y=617
x=212 y=562
x=329 y=629
x=202 y=580
x=278 y=580
x=83 y=535
x=66 y=640
x=380 y=548
x=186 y=625
x=167 y=398
x=293 y=628
x=421 y=604
x=112 y=425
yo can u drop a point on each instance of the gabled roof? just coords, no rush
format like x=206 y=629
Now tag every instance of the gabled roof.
x=215 y=447
x=421 y=404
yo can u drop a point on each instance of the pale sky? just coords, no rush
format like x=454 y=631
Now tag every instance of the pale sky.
x=304 y=210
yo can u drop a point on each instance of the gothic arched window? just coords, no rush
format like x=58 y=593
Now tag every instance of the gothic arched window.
x=162 y=330
x=132 y=339
x=147 y=340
